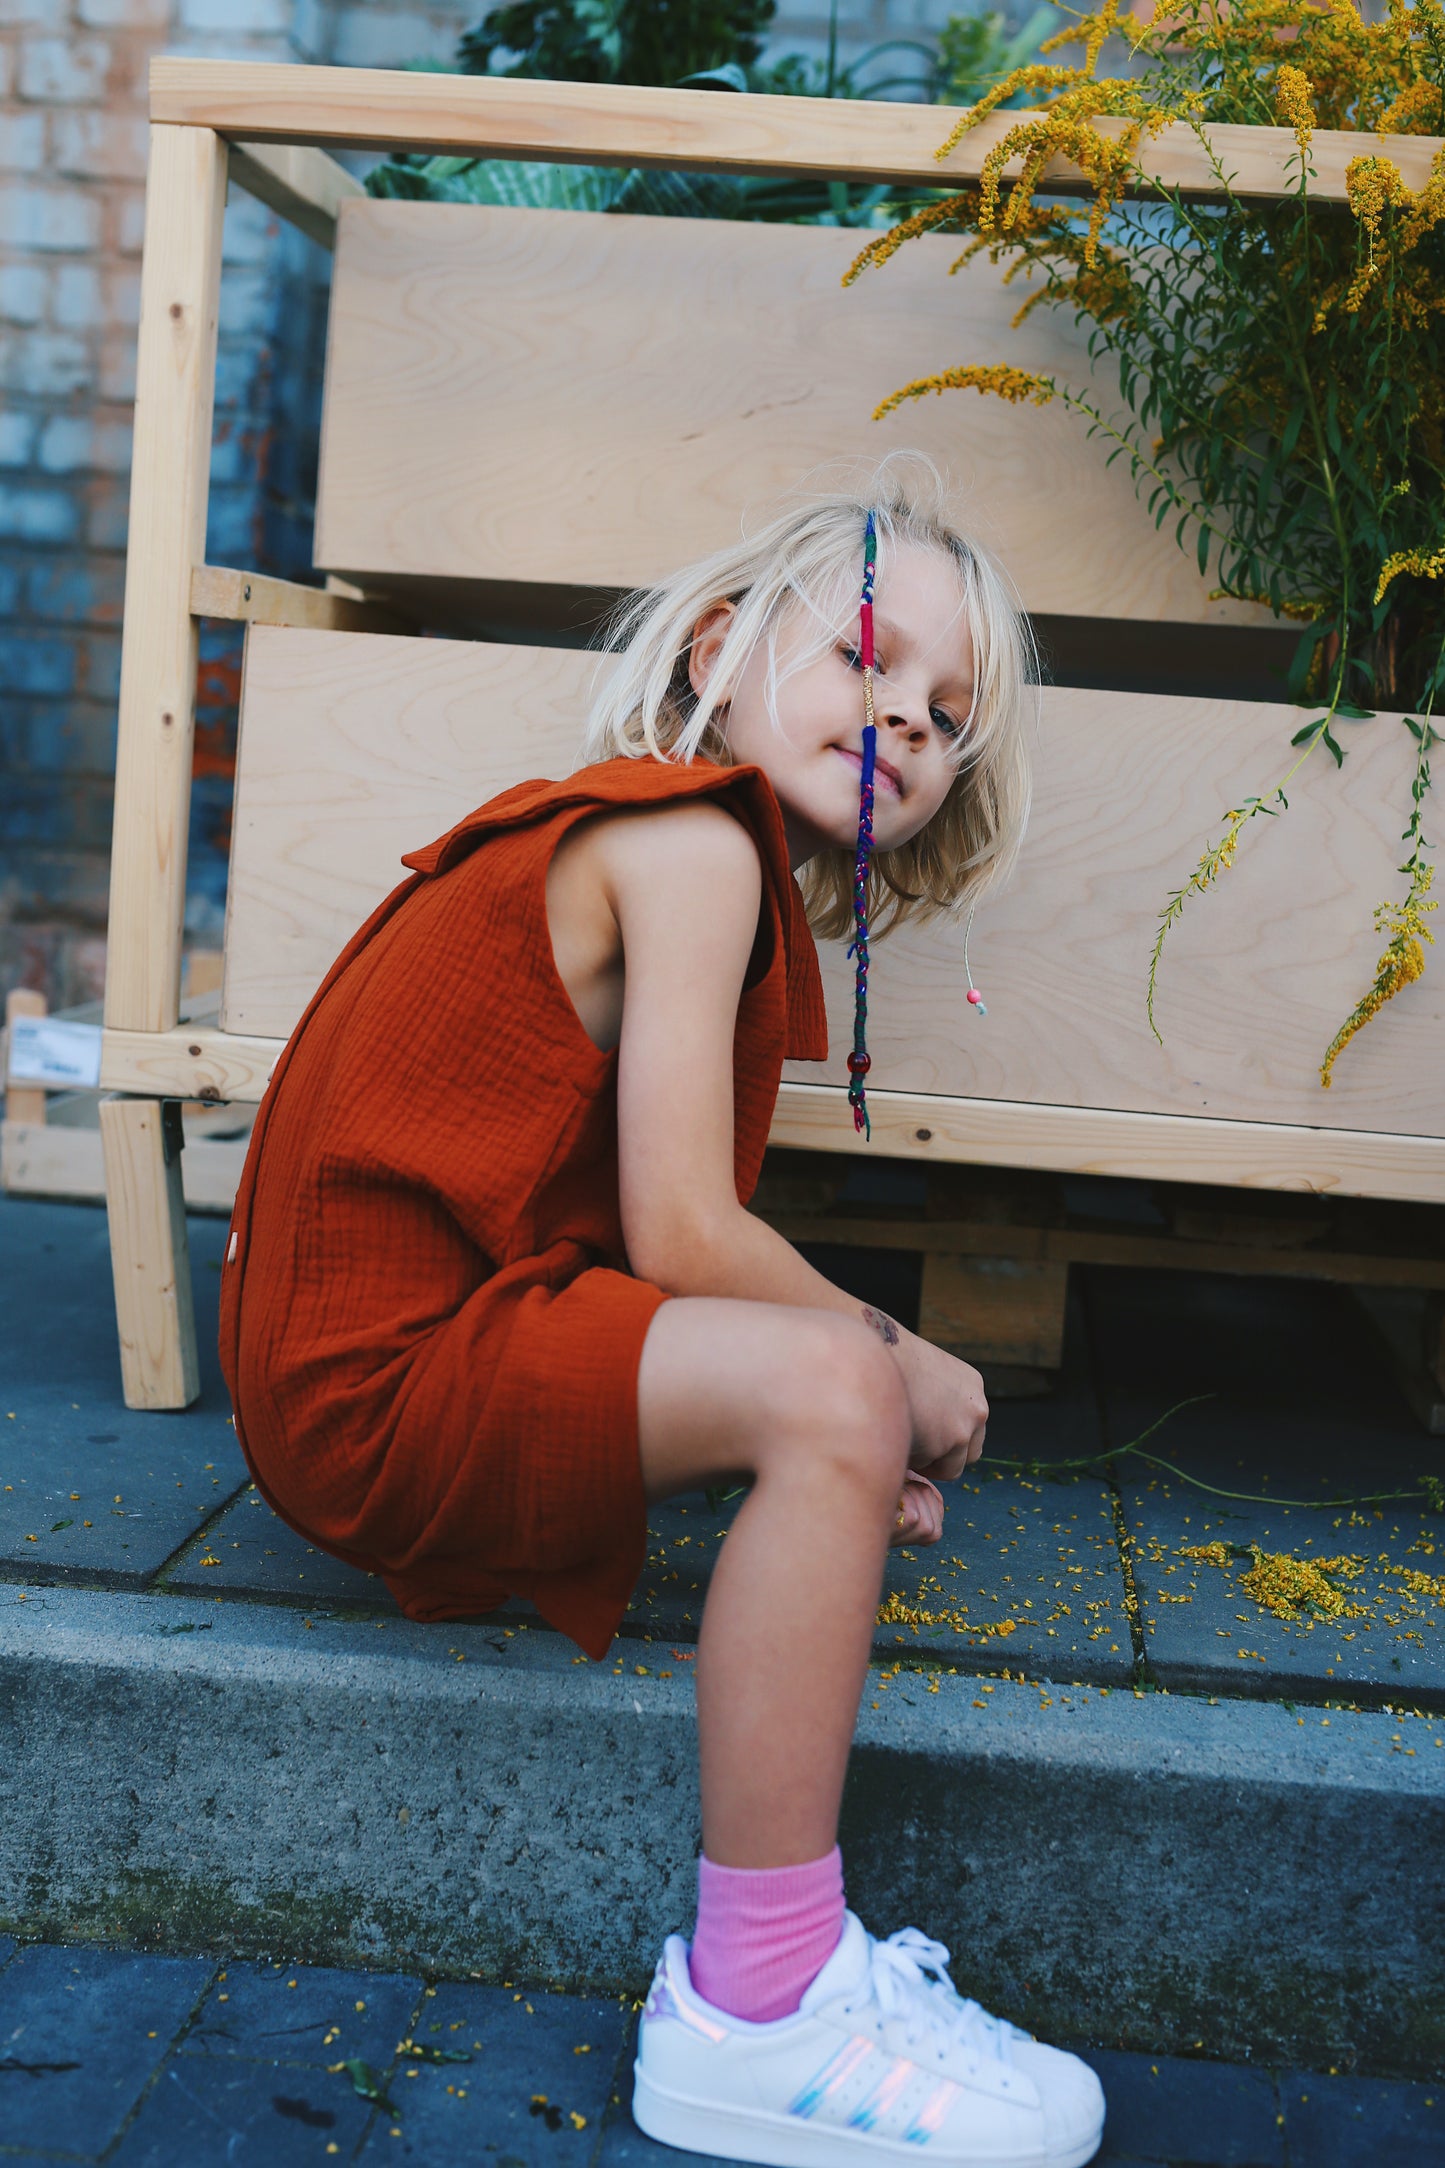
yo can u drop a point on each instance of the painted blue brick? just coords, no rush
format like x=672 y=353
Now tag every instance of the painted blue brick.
x=51 y=811
x=247 y=303
x=36 y=664
x=231 y=526
x=10 y=584
x=231 y=458
x=37 y=515
x=73 y=882
x=239 y=364
x=100 y=666
x=58 y=737
x=83 y=590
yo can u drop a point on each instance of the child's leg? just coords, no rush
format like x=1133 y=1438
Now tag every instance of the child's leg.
x=813 y=1408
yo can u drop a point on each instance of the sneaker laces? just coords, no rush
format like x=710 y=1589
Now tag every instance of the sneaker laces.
x=908 y=1978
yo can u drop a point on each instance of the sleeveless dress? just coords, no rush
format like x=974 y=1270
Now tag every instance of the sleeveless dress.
x=428 y=1327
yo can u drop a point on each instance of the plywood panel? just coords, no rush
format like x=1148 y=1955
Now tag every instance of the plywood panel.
x=355 y=748
x=557 y=397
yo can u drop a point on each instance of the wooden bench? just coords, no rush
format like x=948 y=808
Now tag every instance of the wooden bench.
x=527 y=413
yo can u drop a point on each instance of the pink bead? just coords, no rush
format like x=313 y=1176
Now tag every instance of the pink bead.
x=975 y=996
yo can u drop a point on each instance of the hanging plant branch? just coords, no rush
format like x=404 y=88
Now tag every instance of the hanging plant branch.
x=1278 y=359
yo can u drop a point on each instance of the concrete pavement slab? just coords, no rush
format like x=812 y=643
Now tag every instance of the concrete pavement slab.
x=83 y=2031
x=202 y=2111
x=304 y=2014
x=251 y=1550
x=1344 y=2122
x=1299 y=1408
x=1184 y=2112
x=87 y=1485
x=539 y=2083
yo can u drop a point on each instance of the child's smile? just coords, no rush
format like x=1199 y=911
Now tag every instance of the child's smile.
x=812 y=753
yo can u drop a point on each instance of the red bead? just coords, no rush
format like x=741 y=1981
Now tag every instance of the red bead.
x=859 y=1064
x=974 y=996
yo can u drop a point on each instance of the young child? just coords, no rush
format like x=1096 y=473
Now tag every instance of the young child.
x=492 y=1284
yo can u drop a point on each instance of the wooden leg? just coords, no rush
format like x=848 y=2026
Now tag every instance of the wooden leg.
x=149 y=1253
x=1001 y=1310
x=23 y=1102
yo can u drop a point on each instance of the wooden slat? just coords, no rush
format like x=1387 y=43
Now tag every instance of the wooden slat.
x=254 y=598
x=301 y=184
x=1098 y=1140
x=194 y=1062
x=621 y=124
x=355 y=749
x=516 y=396
x=175 y=381
x=1098 y=1246
x=22 y=1102
x=66 y=1160
x=149 y=1255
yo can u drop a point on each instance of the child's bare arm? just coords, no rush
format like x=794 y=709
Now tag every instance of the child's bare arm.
x=686 y=886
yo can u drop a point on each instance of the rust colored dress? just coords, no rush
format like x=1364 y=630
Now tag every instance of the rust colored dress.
x=428 y=1327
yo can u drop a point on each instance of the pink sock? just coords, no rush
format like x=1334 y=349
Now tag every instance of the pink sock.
x=764 y=1934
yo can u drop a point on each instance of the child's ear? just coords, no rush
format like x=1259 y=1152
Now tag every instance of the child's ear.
x=708 y=635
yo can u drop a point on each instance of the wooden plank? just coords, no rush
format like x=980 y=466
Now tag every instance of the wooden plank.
x=355 y=749
x=193 y=1062
x=149 y=1253
x=175 y=378
x=300 y=183
x=516 y=397
x=995 y=1309
x=1098 y=1140
x=845 y=139
x=255 y=598
x=1094 y=1246
x=67 y=1160
x=350 y=755
x=23 y=1102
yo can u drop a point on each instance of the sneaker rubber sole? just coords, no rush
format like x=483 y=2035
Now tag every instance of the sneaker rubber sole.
x=783 y=2141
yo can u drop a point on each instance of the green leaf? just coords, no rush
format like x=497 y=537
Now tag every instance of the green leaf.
x=1308 y=732
x=422 y=2051
x=367 y=2085
x=1349 y=713
x=1329 y=741
x=56 y=1526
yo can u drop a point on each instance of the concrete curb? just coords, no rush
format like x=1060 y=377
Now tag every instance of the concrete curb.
x=1149 y=1872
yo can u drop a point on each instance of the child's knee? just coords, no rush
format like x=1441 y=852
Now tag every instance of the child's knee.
x=849 y=1401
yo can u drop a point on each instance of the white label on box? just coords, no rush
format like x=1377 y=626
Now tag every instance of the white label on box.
x=47 y=1050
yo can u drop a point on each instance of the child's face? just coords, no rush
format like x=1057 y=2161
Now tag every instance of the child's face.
x=813 y=753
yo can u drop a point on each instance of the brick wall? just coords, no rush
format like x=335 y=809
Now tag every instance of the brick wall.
x=72 y=172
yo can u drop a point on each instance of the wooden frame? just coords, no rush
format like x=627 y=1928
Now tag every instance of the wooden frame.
x=268 y=126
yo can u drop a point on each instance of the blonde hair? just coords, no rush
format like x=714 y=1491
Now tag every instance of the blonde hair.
x=808 y=560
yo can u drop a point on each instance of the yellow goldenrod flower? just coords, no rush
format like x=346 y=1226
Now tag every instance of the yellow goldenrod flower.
x=1294 y=105
x=1402 y=962
x=1004 y=382
x=1425 y=564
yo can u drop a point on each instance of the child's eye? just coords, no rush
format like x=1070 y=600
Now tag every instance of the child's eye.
x=948 y=724
x=852 y=657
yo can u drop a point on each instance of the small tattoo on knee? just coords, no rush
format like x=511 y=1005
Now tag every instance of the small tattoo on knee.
x=882 y=1324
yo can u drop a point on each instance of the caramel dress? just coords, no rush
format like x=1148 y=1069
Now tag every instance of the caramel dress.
x=428 y=1327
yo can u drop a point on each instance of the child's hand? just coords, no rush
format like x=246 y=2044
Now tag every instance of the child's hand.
x=947 y=1403
x=920 y=1512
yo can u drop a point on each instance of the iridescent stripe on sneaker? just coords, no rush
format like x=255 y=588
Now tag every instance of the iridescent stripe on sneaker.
x=884 y=2094
x=931 y=2116
x=834 y=2074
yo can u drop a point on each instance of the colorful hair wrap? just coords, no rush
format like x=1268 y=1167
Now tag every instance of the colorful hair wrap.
x=858 y=1061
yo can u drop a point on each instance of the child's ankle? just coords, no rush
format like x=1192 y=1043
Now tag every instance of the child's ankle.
x=764 y=1934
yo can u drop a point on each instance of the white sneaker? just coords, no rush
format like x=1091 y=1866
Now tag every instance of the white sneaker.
x=883 y=2060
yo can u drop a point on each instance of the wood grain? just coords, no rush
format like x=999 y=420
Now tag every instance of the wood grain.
x=194 y=1062
x=23 y=1102
x=1096 y=1140
x=354 y=749
x=1256 y=977
x=62 y=1159
x=170 y=483
x=150 y=1256
x=624 y=124
x=301 y=184
x=255 y=598
x=517 y=396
